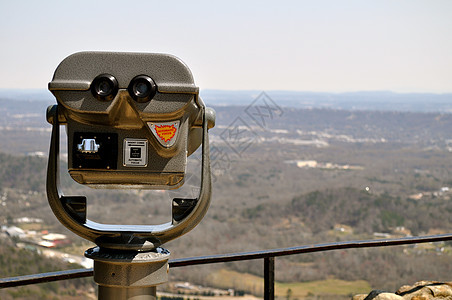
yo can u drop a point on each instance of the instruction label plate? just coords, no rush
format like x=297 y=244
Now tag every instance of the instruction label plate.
x=135 y=152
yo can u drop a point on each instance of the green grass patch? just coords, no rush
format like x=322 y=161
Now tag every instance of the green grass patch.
x=294 y=290
x=300 y=290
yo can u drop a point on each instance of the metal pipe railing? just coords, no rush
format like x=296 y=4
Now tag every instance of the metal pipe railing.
x=267 y=255
x=45 y=277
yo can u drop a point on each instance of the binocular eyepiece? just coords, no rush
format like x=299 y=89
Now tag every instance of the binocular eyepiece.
x=105 y=87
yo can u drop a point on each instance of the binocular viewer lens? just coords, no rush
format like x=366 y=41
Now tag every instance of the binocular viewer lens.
x=142 y=88
x=105 y=87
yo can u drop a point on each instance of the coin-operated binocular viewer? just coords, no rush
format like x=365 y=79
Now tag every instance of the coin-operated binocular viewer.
x=132 y=119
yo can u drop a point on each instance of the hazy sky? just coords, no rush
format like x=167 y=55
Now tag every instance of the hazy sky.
x=335 y=46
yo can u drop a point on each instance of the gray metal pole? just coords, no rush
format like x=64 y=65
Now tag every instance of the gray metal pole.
x=129 y=275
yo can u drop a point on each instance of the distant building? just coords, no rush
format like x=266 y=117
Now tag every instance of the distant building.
x=417 y=196
x=343 y=228
x=402 y=231
x=306 y=163
x=14 y=231
x=53 y=240
x=27 y=220
x=37 y=154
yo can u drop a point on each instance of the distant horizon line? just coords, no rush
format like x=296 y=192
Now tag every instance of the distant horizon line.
x=260 y=91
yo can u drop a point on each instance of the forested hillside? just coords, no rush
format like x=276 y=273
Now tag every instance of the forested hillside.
x=365 y=212
x=14 y=261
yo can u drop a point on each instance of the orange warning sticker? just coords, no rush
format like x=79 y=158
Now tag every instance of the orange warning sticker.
x=166 y=132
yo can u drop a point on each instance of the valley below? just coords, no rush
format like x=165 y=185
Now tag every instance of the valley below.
x=282 y=177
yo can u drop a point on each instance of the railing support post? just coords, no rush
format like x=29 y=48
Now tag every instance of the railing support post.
x=269 y=278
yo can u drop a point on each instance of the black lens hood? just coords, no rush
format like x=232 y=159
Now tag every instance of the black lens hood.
x=151 y=88
x=97 y=91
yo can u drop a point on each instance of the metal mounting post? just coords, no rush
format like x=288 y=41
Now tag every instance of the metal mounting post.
x=129 y=275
